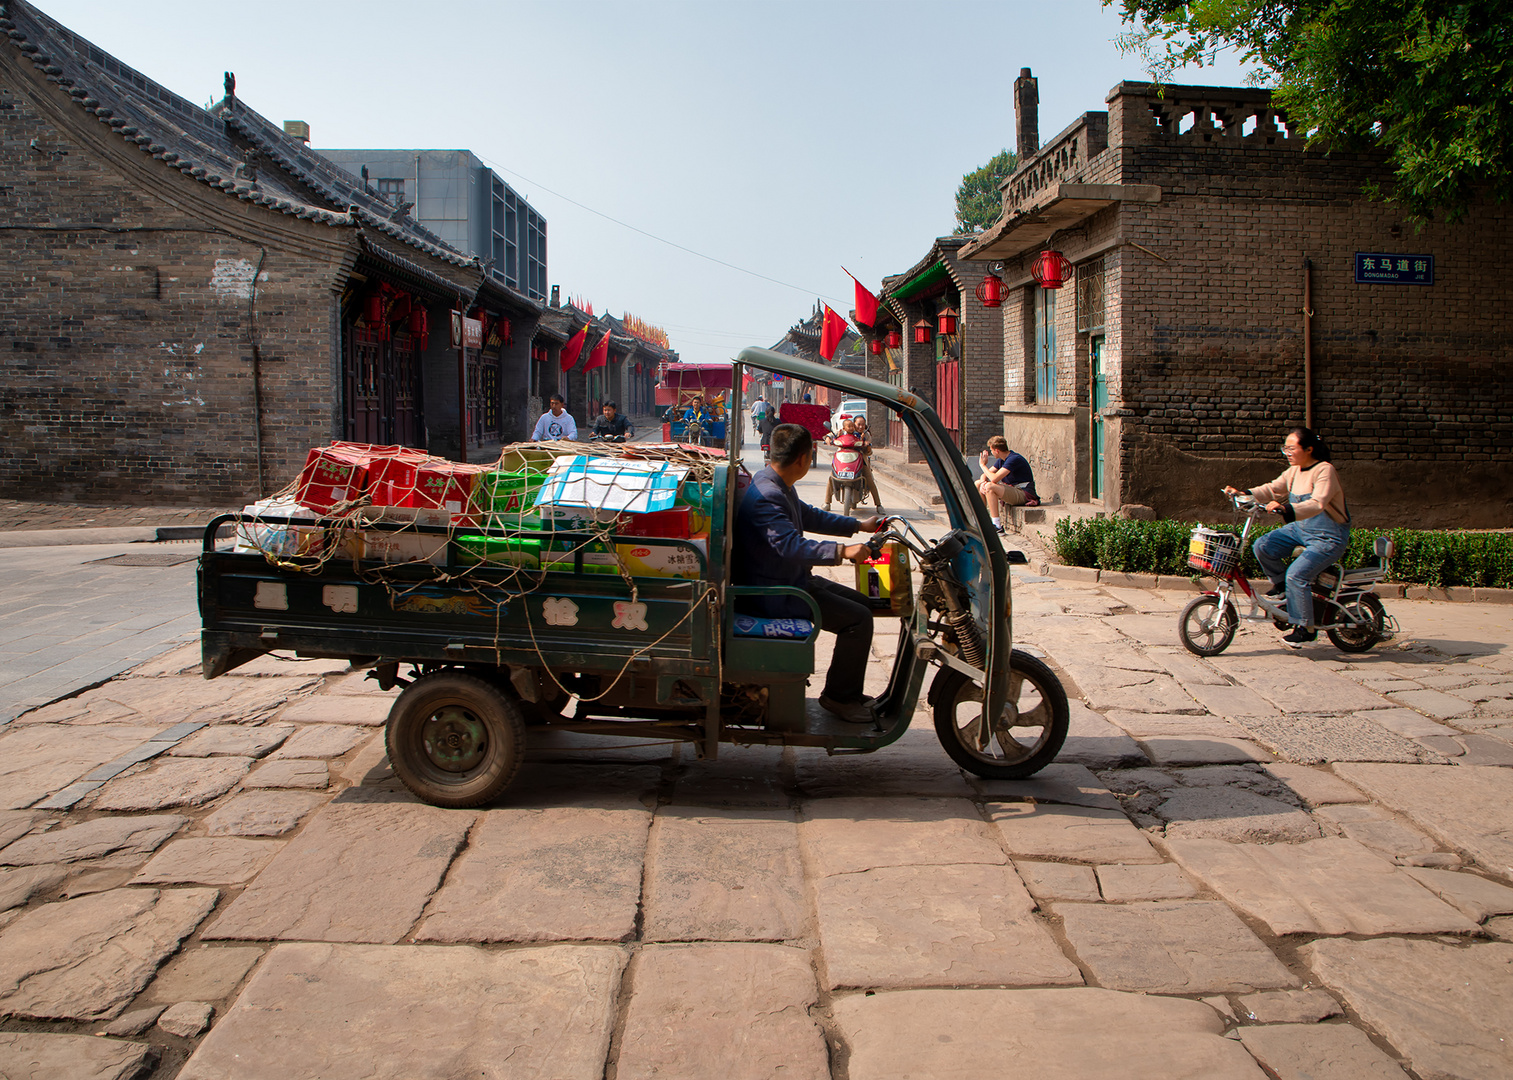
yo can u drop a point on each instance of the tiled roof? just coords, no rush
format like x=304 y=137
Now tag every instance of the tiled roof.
x=282 y=174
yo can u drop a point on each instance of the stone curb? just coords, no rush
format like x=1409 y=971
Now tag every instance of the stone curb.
x=1091 y=575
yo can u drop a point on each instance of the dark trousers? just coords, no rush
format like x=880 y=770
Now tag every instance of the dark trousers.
x=846 y=614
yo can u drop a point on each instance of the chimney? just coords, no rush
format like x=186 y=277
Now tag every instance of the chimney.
x=1027 y=114
x=556 y=296
x=299 y=129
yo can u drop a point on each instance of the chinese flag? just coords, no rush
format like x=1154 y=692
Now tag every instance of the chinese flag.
x=600 y=356
x=866 y=303
x=573 y=347
x=830 y=336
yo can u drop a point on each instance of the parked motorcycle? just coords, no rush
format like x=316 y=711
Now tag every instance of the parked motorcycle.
x=1344 y=606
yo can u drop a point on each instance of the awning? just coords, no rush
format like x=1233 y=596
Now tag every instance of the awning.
x=1065 y=206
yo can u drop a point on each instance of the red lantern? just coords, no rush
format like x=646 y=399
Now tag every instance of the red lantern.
x=990 y=291
x=875 y=347
x=420 y=327
x=947 y=321
x=922 y=331
x=374 y=310
x=895 y=339
x=1050 y=269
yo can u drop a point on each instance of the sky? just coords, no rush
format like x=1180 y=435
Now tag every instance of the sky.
x=708 y=166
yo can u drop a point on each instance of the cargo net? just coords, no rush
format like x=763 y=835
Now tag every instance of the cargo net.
x=491 y=533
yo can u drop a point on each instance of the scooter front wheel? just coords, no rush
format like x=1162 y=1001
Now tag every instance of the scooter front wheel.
x=1361 y=635
x=1204 y=629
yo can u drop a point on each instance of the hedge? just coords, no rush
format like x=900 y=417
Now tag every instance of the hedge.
x=1160 y=547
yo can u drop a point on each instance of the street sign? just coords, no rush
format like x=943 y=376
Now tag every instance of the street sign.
x=1376 y=268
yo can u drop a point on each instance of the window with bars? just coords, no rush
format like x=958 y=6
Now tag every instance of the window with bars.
x=1090 y=297
x=392 y=189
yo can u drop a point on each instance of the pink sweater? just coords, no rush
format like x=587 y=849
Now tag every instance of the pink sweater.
x=1320 y=481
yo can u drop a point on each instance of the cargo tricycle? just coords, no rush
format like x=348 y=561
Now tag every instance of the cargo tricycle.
x=593 y=630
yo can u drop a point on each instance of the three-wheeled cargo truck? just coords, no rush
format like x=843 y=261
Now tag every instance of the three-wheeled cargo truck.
x=646 y=638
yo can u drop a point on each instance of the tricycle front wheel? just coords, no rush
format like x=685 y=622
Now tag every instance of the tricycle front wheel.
x=1023 y=740
x=454 y=740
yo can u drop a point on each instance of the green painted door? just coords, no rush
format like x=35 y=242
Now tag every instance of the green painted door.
x=1100 y=402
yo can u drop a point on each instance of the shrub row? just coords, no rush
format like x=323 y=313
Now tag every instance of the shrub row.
x=1160 y=547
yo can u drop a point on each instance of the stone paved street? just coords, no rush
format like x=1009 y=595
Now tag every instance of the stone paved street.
x=1269 y=863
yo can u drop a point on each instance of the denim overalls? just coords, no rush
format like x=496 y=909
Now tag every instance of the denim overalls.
x=1324 y=540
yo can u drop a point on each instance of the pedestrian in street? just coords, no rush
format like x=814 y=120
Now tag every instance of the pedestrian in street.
x=1317 y=518
x=1007 y=479
x=555 y=423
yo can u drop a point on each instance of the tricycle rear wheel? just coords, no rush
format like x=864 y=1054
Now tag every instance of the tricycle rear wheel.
x=455 y=740
x=1036 y=704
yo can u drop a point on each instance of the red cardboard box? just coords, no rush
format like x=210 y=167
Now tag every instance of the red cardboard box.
x=672 y=524
x=426 y=482
x=339 y=473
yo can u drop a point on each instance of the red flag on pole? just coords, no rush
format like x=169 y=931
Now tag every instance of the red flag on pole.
x=573 y=347
x=866 y=303
x=600 y=356
x=831 y=334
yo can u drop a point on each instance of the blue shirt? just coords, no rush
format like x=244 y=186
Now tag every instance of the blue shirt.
x=1019 y=476
x=770 y=547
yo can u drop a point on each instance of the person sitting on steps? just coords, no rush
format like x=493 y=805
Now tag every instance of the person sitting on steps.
x=1006 y=479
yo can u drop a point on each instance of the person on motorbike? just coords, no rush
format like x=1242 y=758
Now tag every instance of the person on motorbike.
x=1317 y=518
x=770 y=549
x=700 y=414
x=611 y=425
x=555 y=423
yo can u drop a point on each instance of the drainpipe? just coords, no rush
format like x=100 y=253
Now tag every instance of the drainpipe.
x=257 y=374
x=1308 y=343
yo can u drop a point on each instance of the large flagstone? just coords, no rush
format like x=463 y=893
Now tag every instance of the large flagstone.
x=94 y=839
x=174 y=699
x=1326 y=886
x=85 y=959
x=734 y=1011
x=1309 y=1051
x=570 y=873
x=37 y=760
x=913 y=926
x=361 y=871
x=173 y=782
x=1465 y=806
x=843 y=836
x=732 y=875
x=39 y=1056
x=914 y=765
x=354 y=1012
x=1072 y=1034
x=1295 y=684
x=1077 y=833
x=1171 y=947
x=1448 y=1008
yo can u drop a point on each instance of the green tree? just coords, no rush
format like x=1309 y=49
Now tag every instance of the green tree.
x=978 y=200
x=1429 y=82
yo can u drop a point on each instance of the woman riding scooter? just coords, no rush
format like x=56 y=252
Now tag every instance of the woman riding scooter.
x=1317 y=518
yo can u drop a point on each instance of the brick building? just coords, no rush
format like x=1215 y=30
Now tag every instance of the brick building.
x=960 y=373
x=1226 y=285
x=190 y=298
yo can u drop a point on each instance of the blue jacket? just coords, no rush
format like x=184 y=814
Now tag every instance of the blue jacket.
x=770 y=548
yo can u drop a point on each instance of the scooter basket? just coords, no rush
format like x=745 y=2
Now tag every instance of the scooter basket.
x=1213 y=552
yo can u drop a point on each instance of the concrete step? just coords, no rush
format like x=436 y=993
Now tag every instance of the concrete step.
x=914 y=478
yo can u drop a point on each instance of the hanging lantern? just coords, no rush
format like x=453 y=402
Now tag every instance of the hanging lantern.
x=947 y=321
x=922 y=331
x=505 y=331
x=875 y=347
x=420 y=327
x=990 y=291
x=895 y=338
x=373 y=311
x=1050 y=269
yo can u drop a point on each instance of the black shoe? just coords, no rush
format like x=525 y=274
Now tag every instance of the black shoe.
x=1276 y=592
x=1300 y=636
x=853 y=712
